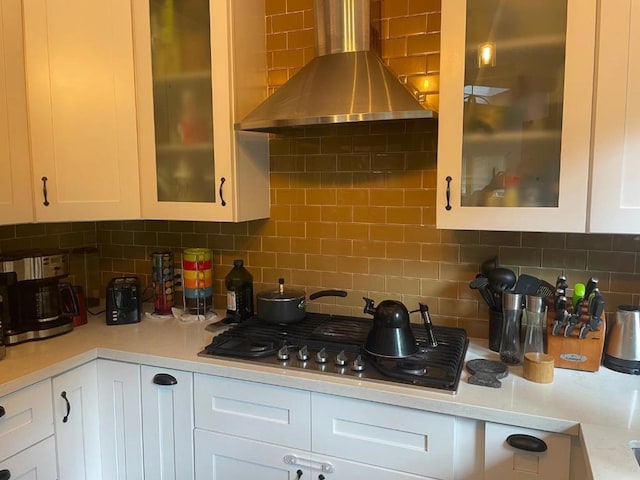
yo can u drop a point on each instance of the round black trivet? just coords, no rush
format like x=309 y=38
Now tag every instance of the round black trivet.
x=497 y=369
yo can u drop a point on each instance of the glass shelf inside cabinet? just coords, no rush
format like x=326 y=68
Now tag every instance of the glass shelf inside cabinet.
x=513 y=97
x=182 y=99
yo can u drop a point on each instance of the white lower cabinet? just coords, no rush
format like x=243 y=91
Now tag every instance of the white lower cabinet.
x=250 y=430
x=27 y=445
x=120 y=420
x=506 y=462
x=167 y=423
x=75 y=403
x=37 y=462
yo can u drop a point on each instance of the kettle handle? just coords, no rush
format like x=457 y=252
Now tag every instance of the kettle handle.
x=368 y=306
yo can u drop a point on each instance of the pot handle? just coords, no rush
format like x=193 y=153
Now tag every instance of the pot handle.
x=328 y=293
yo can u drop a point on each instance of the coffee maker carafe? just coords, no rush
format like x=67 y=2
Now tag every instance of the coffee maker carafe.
x=33 y=302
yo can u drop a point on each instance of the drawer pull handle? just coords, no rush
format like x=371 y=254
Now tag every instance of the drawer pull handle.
x=222 y=202
x=65 y=419
x=5 y=474
x=3 y=412
x=44 y=191
x=527 y=442
x=448 y=194
x=164 y=379
x=324 y=467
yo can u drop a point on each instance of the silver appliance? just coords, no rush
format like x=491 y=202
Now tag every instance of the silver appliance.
x=622 y=348
x=345 y=82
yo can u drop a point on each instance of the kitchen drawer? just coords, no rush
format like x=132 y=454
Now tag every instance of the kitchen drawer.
x=27 y=419
x=257 y=411
x=392 y=437
x=35 y=463
x=506 y=462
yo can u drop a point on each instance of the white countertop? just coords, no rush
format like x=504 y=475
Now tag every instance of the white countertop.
x=603 y=407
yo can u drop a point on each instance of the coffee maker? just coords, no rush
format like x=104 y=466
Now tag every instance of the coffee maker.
x=33 y=303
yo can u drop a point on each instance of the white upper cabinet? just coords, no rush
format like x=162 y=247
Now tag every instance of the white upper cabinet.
x=16 y=202
x=81 y=109
x=200 y=67
x=515 y=114
x=615 y=194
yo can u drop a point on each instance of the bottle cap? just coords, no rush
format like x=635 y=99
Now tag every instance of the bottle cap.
x=238 y=263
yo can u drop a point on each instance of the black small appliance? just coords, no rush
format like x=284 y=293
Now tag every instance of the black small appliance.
x=123 y=301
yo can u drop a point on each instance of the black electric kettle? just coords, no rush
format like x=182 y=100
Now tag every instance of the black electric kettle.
x=391 y=334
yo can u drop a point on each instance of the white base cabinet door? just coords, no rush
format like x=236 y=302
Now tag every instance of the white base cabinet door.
x=505 y=462
x=35 y=463
x=75 y=403
x=27 y=418
x=120 y=420
x=167 y=419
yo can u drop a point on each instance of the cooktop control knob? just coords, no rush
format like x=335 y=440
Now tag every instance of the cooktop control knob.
x=358 y=364
x=321 y=356
x=303 y=354
x=283 y=353
x=341 y=359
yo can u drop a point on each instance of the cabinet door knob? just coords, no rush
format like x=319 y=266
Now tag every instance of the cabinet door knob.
x=298 y=474
x=65 y=419
x=2 y=411
x=448 y=193
x=5 y=474
x=164 y=379
x=527 y=442
x=222 y=202
x=44 y=191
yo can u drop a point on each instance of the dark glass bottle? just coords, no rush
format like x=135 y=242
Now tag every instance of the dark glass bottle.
x=239 y=283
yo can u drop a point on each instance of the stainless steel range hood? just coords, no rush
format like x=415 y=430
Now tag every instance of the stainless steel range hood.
x=345 y=82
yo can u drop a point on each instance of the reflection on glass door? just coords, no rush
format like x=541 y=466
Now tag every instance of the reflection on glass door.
x=513 y=97
x=183 y=110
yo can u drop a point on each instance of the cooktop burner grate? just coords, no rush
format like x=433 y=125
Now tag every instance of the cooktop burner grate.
x=257 y=341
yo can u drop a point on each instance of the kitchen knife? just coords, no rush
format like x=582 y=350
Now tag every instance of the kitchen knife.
x=561 y=315
x=596 y=307
x=572 y=321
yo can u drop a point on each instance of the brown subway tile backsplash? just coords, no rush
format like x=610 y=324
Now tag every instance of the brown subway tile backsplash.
x=353 y=206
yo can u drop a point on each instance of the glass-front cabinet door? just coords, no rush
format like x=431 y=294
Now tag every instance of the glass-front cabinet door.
x=191 y=70
x=515 y=114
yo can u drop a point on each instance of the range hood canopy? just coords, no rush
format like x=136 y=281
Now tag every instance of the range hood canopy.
x=345 y=82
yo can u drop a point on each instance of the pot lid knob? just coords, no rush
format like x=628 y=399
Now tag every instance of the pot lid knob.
x=281 y=285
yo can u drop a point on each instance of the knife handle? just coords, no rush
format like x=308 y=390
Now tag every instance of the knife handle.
x=591 y=284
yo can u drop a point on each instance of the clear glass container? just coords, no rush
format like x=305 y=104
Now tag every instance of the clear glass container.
x=182 y=100
x=510 y=342
x=535 y=313
x=513 y=103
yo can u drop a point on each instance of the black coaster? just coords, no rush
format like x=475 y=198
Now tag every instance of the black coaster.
x=485 y=380
x=497 y=369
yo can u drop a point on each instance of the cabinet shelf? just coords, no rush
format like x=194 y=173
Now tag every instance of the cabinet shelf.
x=185 y=77
x=181 y=148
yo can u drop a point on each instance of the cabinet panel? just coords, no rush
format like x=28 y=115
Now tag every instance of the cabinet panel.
x=615 y=197
x=75 y=395
x=252 y=410
x=189 y=95
x=16 y=201
x=513 y=153
x=167 y=415
x=27 y=419
x=505 y=462
x=222 y=457
x=81 y=97
x=35 y=463
x=384 y=435
x=120 y=420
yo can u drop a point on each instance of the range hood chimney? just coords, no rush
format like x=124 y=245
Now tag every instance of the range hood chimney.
x=345 y=82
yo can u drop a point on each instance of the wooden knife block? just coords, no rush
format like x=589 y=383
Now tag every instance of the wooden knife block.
x=574 y=352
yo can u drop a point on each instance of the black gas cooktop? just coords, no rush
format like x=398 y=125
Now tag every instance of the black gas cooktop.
x=332 y=344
